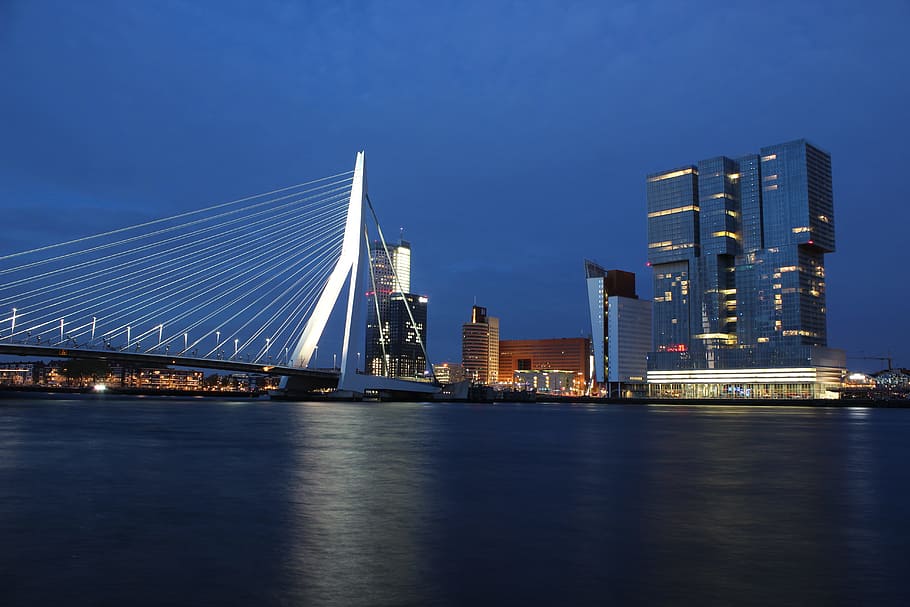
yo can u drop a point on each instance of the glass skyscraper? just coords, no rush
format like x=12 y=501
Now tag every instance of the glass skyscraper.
x=393 y=343
x=737 y=249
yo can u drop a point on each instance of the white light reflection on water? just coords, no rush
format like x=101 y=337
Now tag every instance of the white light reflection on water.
x=358 y=509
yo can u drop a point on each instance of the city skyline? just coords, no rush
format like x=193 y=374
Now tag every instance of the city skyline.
x=491 y=138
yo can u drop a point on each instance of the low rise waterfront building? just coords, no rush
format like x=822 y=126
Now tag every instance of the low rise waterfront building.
x=549 y=381
x=17 y=373
x=554 y=365
x=161 y=379
x=449 y=373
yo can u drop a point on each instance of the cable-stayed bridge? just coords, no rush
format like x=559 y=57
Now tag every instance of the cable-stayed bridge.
x=246 y=285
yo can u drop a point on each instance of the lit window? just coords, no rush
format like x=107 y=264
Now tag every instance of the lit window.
x=672 y=174
x=769 y=157
x=732 y=235
x=673 y=211
x=769 y=188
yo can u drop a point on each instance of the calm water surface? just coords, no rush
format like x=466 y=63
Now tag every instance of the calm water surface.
x=199 y=502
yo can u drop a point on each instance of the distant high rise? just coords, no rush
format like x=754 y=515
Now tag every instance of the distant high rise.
x=737 y=249
x=480 y=347
x=392 y=343
x=620 y=326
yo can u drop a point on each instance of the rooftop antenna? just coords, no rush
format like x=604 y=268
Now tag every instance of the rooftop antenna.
x=401 y=234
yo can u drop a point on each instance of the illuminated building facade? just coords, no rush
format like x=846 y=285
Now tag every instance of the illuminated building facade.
x=480 y=347
x=405 y=355
x=737 y=249
x=17 y=373
x=551 y=365
x=449 y=373
x=392 y=344
x=160 y=379
x=549 y=381
x=620 y=327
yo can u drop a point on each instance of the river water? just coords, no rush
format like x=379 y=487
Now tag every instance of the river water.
x=156 y=501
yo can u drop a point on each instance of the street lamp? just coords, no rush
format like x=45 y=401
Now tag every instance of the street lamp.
x=217 y=338
x=236 y=341
x=315 y=354
x=186 y=337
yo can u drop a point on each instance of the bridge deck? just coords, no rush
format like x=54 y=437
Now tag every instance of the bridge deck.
x=14 y=349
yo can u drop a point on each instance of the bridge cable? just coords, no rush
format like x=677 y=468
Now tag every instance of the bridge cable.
x=407 y=306
x=157 y=221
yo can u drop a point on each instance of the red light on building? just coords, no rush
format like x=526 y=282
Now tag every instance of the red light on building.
x=676 y=348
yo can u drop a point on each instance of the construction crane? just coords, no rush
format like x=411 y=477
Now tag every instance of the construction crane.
x=884 y=358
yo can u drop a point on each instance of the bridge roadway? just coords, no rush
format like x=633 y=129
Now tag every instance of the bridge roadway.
x=320 y=377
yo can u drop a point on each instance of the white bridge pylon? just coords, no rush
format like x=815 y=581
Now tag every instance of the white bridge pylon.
x=349 y=269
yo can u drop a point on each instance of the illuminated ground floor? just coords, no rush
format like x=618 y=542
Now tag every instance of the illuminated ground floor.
x=781 y=383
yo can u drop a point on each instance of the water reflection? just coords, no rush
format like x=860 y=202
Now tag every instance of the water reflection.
x=348 y=504
x=740 y=489
x=358 y=503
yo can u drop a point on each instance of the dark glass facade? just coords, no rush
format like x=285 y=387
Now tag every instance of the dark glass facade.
x=737 y=249
x=406 y=358
x=673 y=248
x=392 y=345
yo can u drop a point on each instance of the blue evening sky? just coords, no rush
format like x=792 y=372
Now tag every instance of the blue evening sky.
x=510 y=139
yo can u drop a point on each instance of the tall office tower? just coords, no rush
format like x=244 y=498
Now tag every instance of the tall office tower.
x=620 y=326
x=672 y=250
x=737 y=248
x=392 y=347
x=480 y=347
x=405 y=356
